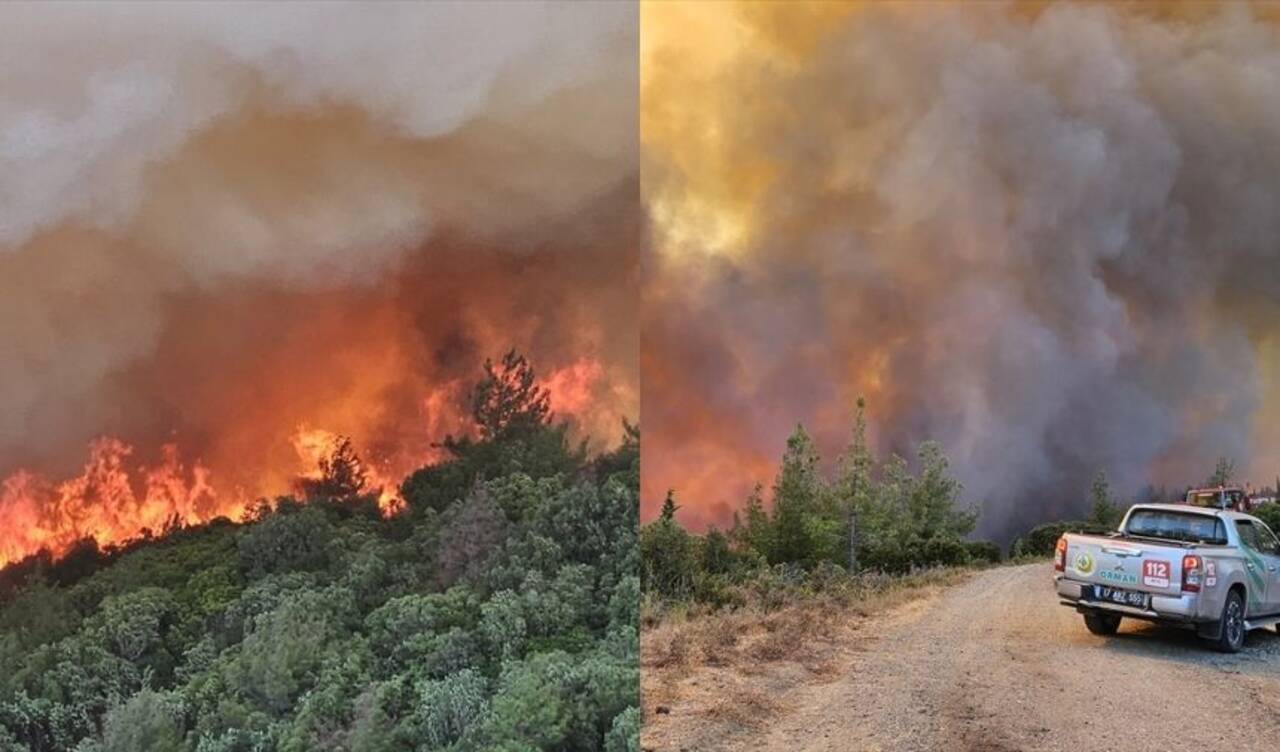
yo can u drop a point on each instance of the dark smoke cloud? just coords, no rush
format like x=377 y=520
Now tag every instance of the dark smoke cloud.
x=1048 y=240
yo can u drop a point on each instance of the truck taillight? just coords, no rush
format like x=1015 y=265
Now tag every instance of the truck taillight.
x=1192 y=570
x=1060 y=555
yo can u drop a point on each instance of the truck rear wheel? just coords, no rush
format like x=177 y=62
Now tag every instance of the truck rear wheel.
x=1102 y=624
x=1231 y=626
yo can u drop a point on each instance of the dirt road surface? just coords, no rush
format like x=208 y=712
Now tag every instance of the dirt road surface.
x=995 y=664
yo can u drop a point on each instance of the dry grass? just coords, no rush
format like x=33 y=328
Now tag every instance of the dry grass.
x=719 y=671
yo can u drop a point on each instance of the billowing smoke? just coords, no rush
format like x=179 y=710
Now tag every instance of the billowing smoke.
x=1046 y=237
x=221 y=225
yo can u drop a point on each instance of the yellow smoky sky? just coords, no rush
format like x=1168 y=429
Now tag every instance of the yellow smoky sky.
x=700 y=185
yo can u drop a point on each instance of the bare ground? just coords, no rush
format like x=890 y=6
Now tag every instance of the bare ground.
x=991 y=664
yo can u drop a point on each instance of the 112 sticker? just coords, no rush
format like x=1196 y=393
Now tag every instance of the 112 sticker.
x=1155 y=573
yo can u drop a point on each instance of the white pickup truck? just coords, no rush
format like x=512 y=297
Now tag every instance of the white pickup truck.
x=1214 y=570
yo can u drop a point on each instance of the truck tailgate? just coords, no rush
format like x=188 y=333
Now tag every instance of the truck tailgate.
x=1125 y=563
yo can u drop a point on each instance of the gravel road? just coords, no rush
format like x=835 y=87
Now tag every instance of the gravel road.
x=996 y=664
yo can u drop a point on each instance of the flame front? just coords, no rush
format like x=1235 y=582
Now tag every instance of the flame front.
x=118 y=497
x=110 y=501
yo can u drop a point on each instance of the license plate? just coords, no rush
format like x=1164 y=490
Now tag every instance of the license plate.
x=1121 y=596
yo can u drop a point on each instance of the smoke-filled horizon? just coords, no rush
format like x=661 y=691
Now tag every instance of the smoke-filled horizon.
x=222 y=225
x=1045 y=237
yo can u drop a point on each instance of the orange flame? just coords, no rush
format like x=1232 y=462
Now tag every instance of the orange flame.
x=570 y=388
x=116 y=499
x=104 y=502
x=314 y=445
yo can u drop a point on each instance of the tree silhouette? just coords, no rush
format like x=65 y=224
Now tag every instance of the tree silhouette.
x=853 y=479
x=1223 y=472
x=669 y=506
x=509 y=400
x=1103 y=511
x=342 y=474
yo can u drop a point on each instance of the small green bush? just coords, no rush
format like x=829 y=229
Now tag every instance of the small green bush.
x=1041 y=539
x=983 y=551
x=1270 y=514
x=670 y=556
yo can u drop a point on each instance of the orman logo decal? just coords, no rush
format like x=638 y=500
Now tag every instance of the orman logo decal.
x=1122 y=578
x=1084 y=563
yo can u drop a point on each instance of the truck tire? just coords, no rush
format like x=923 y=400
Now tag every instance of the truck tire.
x=1102 y=624
x=1231 y=626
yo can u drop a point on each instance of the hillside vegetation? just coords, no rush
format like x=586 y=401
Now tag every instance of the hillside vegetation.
x=498 y=611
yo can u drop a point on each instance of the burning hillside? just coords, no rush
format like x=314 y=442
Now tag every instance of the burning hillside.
x=228 y=239
x=1041 y=234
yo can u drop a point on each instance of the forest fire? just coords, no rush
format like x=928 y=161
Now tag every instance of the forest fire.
x=1009 y=226
x=227 y=247
x=118 y=496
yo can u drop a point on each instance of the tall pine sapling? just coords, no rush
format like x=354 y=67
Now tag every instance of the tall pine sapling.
x=1103 y=510
x=509 y=400
x=853 y=481
x=1223 y=472
x=669 y=506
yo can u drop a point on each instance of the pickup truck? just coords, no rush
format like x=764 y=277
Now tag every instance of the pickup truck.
x=1216 y=571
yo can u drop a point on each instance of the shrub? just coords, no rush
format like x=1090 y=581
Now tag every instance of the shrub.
x=282 y=651
x=447 y=707
x=624 y=735
x=558 y=701
x=1041 y=539
x=717 y=591
x=294 y=540
x=941 y=552
x=1270 y=514
x=147 y=722
x=983 y=551
x=670 y=558
x=131 y=624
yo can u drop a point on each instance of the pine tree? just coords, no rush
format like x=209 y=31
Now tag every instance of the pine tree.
x=342 y=474
x=755 y=534
x=1104 y=511
x=669 y=506
x=1222 y=473
x=802 y=531
x=509 y=400
x=935 y=497
x=853 y=480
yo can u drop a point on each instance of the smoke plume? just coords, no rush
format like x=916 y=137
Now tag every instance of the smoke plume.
x=1044 y=235
x=226 y=227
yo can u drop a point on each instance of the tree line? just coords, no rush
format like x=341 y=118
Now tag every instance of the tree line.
x=870 y=515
